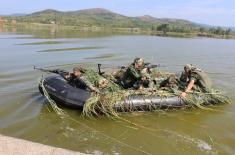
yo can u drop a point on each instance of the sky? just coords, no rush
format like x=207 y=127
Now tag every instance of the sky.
x=211 y=12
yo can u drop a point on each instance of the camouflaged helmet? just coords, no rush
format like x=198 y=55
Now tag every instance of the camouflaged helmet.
x=78 y=68
x=188 y=66
x=139 y=61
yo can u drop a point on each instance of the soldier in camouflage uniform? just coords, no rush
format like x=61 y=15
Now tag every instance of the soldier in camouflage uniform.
x=193 y=79
x=78 y=80
x=171 y=83
x=146 y=80
x=136 y=76
x=133 y=73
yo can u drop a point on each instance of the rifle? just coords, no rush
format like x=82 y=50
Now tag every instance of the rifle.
x=149 y=66
x=55 y=71
x=99 y=70
x=146 y=65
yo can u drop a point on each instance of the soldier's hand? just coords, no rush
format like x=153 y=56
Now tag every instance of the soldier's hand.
x=183 y=95
x=145 y=70
x=95 y=90
x=67 y=76
x=141 y=87
x=143 y=78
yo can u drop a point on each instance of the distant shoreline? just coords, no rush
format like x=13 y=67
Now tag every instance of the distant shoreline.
x=141 y=31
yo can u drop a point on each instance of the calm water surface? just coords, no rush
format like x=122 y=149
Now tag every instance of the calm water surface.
x=24 y=112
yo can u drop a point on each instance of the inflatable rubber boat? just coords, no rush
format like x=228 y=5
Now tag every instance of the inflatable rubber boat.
x=66 y=95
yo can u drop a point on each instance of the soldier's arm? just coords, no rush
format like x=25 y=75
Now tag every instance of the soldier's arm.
x=68 y=77
x=145 y=74
x=134 y=72
x=193 y=76
x=190 y=85
x=89 y=84
x=183 y=77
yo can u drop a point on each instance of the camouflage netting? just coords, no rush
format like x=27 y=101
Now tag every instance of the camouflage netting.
x=103 y=103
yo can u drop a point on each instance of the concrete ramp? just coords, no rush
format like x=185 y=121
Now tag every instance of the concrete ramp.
x=13 y=146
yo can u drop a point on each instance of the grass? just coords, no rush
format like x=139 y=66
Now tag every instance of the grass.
x=69 y=49
x=105 y=103
x=43 y=43
x=53 y=104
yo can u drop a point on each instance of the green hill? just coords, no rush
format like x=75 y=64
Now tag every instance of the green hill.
x=100 y=17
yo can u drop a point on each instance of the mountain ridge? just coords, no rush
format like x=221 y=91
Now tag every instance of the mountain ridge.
x=104 y=17
x=101 y=17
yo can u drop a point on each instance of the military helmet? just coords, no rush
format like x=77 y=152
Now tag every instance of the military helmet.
x=188 y=66
x=78 y=68
x=139 y=61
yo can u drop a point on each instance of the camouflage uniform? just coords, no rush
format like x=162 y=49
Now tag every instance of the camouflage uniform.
x=183 y=81
x=131 y=76
x=148 y=83
x=81 y=82
x=118 y=75
x=88 y=83
x=171 y=83
x=202 y=81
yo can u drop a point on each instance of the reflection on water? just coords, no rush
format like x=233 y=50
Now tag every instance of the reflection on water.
x=25 y=114
x=53 y=31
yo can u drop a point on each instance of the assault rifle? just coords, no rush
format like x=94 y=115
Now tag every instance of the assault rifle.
x=150 y=66
x=146 y=65
x=55 y=71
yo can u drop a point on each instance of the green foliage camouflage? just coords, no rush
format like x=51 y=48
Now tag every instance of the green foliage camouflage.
x=103 y=103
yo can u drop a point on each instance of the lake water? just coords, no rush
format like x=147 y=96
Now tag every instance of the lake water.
x=25 y=114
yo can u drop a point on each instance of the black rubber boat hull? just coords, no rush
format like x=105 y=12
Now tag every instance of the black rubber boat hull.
x=66 y=95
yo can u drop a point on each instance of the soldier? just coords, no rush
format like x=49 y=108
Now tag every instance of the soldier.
x=171 y=83
x=193 y=78
x=145 y=81
x=136 y=76
x=78 y=80
x=133 y=73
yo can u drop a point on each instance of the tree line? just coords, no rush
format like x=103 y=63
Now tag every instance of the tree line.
x=182 y=29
